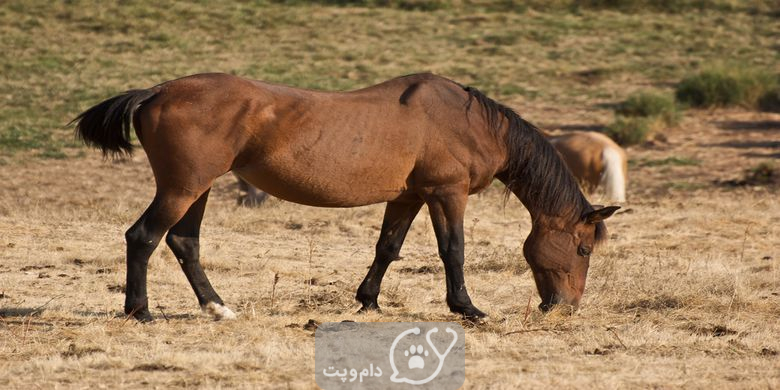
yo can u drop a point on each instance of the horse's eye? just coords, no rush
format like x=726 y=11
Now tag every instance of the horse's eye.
x=583 y=251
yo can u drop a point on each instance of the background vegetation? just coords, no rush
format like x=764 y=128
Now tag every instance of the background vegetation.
x=61 y=57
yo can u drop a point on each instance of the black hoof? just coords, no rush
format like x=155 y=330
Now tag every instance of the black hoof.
x=139 y=311
x=141 y=315
x=369 y=305
x=144 y=317
x=367 y=309
x=469 y=312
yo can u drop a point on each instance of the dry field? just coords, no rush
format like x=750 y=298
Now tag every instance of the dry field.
x=686 y=293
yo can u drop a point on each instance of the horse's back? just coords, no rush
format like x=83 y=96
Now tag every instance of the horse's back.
x=316 y=147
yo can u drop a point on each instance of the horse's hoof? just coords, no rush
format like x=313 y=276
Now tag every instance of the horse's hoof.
x=470 y=313
x=369 y=309
x=139 y=310
x=143 y=316
x=218 y=312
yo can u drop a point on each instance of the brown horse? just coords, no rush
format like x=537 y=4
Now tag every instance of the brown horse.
x=414 y=140
x=595 y=160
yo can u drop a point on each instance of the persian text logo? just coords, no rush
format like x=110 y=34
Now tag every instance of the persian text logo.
x=352 y=355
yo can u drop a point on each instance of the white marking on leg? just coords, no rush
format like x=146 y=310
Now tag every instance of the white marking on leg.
x=612 y=178
x=218 y=312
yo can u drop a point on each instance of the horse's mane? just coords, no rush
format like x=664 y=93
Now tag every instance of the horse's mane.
x=535 y=171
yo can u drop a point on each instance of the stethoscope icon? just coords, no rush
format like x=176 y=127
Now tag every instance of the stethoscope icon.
x=416 y=331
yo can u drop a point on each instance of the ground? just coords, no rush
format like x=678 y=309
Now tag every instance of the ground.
x=686 y=292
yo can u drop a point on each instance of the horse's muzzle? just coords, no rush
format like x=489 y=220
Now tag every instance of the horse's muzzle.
x=568 y=305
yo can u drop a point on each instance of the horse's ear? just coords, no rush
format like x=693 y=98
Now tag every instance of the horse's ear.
x=599 y=214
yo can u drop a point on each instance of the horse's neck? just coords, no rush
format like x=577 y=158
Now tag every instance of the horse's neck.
x=521 y=194
x=534 y=204
x=530 y=204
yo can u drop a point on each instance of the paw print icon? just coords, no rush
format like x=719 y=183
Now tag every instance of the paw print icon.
x=415 y=354
x=416 y=361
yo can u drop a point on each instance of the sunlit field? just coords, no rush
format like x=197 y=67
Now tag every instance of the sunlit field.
x=685 y=293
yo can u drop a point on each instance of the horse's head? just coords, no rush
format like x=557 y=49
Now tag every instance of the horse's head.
x=558 y=251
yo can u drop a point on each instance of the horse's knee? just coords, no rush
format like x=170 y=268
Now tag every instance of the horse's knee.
x=138 y=238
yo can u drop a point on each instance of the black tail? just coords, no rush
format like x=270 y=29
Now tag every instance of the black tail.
x=107 y=124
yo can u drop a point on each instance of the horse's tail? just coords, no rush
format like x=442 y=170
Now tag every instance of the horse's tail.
x=613 y=178
x=107 y=124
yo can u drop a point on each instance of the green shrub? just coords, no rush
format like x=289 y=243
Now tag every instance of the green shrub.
x=642 y=115
x=649 y=105
x=770 y=100
x=418 y=5
x=665 y=6
x=725 y=87
x=630 y=130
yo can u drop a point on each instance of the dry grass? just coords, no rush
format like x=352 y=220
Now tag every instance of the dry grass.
x=685 y=294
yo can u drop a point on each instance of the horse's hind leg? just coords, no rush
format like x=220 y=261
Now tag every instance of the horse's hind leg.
x=398 y=218
x=142 y=238
x=447 y=207
x=249 y=195
x=183 y=239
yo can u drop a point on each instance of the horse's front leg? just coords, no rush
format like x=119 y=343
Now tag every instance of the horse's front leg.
x=447 y=207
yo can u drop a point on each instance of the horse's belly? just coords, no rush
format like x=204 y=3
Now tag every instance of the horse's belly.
x=333 y=157
x=324 y=186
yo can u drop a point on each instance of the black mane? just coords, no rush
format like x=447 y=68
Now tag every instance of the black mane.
x=535 y=171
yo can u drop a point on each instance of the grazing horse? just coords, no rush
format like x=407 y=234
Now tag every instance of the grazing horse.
x=595 y=160
x=413 y=140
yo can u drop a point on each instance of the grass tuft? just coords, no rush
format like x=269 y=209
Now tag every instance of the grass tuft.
x=725 y=86
x=642 y=115
x=629 y=130
x=649 y=105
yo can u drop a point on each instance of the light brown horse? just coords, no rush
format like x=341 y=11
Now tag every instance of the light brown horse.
x=595 y=160
x=414 y=140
